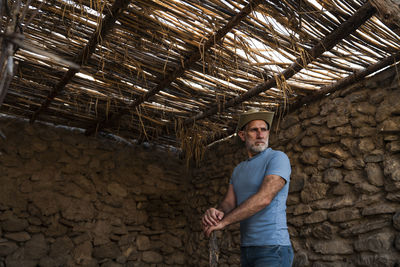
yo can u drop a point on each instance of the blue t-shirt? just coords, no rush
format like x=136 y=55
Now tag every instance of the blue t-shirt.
x=268 y=226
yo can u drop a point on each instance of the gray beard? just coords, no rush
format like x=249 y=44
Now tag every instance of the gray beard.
x=256 y=149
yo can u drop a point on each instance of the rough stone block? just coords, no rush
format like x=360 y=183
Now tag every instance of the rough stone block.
x=379 y=242
x=375 y=174
x=381 y=208
x=343 y=215
x=314 y=191
x=332 y=176
x=152 y=257
x=337 y=246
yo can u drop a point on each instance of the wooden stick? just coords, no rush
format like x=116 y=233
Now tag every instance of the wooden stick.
x=106 y=25
x=188 y=63
x=344 y=30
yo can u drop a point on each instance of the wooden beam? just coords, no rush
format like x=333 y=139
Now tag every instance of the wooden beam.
x=105 y=26
x=355 y=77
x=388 y=12
x=344 y=30
x=188 y=63
x=329 y=89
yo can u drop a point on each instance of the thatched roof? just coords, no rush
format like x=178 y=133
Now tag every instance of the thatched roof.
x=170 y=70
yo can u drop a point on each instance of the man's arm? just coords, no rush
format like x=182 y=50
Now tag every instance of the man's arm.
x=213 y=216
x=270 y=186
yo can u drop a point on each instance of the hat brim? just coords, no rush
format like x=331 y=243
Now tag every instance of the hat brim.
x=247 y=117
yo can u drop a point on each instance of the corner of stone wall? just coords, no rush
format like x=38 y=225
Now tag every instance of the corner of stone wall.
x=344 y=202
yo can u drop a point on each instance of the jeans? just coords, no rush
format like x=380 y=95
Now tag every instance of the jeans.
x=266 y=256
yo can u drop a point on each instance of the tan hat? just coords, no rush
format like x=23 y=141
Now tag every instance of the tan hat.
x=252 y=115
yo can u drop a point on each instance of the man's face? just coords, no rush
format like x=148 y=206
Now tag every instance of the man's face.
x=255 y=135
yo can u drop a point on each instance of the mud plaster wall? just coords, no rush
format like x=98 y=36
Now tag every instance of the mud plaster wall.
x=70 y=200
x=344 y=201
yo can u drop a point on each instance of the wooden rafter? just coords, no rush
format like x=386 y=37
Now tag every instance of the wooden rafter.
x=355 y=77
x=188 y=63
x=329 y=89
x=344 y=30
x=105 y=26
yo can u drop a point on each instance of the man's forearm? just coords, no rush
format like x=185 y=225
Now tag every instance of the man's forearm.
x=225 y=207
x=247 y=209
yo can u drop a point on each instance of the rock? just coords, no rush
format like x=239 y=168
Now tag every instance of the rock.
x=300 y=259
x=354 y=177
x=392 y=167
x=60 y=250
x=336 y=246
x=117 y=190
x=375 y=174
x=309 y=141
x=316 y=217
x=293 y=132
x=14 y=224
x=381 y=208
x=344 y=131
x=335 y=151
x=397 y=242
x=366 y=188
x=393 y=146
x=36 y=248
x=177 y=258
x=313 y=192
x=343 y=215
x=365 y=227
x=302 y=209
x=171 y=240
x=354 y=164
x=375 y=156
x=289 y=120
x=6 y=248
x=335 y=120
x=324 y=163
x=365 y=108
x=332 y=176
x=18 y=237
x=358 y=96
x=379 y=242
x=83 y=252
x=365 y=145
x=369 y=259
x=152 y=257
x=391 y=125
x=396 y=220
x=142 y=242
x=106 y=251
x=309 y=156
x=342 y=189
x=77 y=210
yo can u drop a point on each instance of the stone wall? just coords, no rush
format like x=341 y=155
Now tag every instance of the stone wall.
x=344 y=200
x=70 y=200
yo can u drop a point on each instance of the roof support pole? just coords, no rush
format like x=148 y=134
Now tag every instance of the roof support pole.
x=344 y=30
x=105 y=26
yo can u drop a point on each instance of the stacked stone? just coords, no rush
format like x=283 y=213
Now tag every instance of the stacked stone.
x=69 y=200
x=344 y=200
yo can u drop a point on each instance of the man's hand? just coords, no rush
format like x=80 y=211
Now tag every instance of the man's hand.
x=208 y=229
x=212 y=217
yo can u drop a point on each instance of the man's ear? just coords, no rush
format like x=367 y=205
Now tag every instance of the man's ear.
x=241 y=135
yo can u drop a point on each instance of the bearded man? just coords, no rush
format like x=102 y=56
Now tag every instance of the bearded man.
x=256 y=197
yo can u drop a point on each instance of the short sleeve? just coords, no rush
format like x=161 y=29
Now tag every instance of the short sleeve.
x=279 y=165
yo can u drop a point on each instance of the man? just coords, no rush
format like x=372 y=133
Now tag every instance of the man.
x=256 y=197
